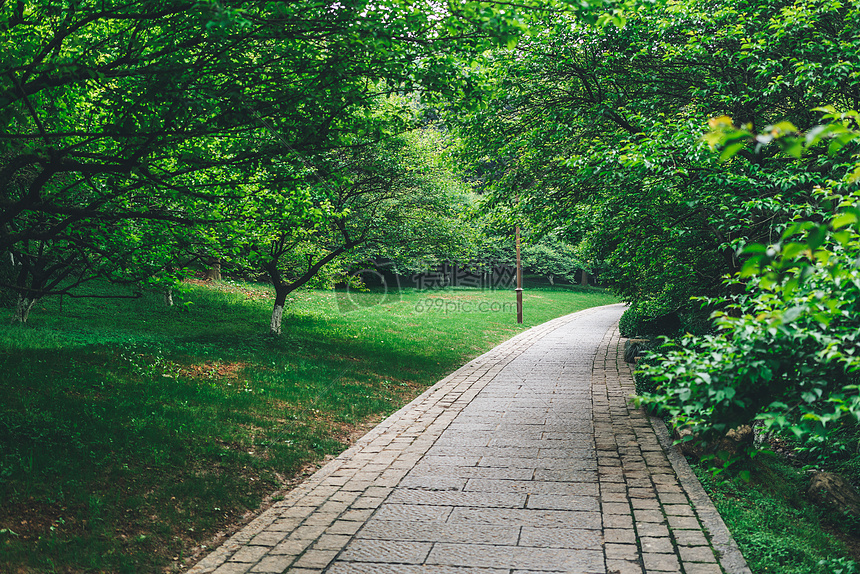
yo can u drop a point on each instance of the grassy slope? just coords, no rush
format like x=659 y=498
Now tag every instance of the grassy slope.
x=130 y=431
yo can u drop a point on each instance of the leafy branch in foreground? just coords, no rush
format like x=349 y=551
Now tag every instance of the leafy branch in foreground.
x=786 y=352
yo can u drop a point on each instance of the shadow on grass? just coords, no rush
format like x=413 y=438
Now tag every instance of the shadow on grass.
x=130 y=432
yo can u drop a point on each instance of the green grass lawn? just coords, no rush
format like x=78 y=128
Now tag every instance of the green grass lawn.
x=130 y=432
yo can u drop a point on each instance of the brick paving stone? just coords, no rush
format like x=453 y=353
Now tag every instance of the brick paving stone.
x=678 y=510
x=614 y=497
x=683 y=523
x=651 y=529
x=621 y=551
x=563 y=502
x=531 y=458
x=250 y=554
x=381 y=568
x=284 y=525
x=274 y=564
x=531 y=487
x=396 y=551
x=696 y=554
x=689 y=538
x=331 y=541
x=702 y=568
x=519 y=557
x=642 y=493
x=673 y=498
x=441 y=532
x=649 y=516
x=620 y=535
x=616 y=508
x=526 y=517
x=315 y=559
x=559 y=537
x=617 y=521
x=656 y=544
x=292 y=547
x=660 y=562
x=453 y=498
x=623 y=567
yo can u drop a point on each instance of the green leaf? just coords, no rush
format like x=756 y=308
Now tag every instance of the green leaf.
x=731 y=150
x=843 y=219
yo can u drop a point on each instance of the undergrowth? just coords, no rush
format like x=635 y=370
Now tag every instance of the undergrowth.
x=776 y=527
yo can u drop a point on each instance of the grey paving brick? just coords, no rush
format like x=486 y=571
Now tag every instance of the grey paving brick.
x=387 y=568
x=623 y=567
x=431 y=482
x=293 y=547
x=690 y=568
x=441 y=532
x=249 y=554
x=532 y=487
x=273 y=564
x=660 y=562
x=232 y=568
x=566 y=475
x=683 y=522
x=398 y=551
x=526 y=517
x=618 y=521
x=563 y=502
x=517 y=557
x=656 y=544
x=413 y=512
x=621 y=551
x=696 y=554
x=560 y=537
x=689 y=537
x=315 y=559
x=454 y=498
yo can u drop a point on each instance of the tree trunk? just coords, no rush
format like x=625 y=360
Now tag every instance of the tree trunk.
x=22 y=309
x=584 y=281
x=551 y=279
x=214 y=272
x=281 y=292
x=168 y=297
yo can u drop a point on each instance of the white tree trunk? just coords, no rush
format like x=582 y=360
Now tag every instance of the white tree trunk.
x=551 y=279
x=22 y=309
x=168 y=297
x=277 y=314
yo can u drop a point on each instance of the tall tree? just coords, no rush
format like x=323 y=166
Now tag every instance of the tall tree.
x=116 y=115
x=599 y=130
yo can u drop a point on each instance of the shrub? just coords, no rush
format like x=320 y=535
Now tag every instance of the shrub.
x=787 y=351
x=649 y=319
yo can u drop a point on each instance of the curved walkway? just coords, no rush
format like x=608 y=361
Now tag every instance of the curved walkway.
x=528 y=459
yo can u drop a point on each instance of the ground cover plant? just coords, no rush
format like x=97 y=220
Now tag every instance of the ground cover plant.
x=776 y=527
x=130 y=431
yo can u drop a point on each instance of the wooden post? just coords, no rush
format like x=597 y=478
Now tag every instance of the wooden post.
x=519 y=281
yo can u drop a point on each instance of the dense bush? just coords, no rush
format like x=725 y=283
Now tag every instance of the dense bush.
x=788 y=352
x=649 y=318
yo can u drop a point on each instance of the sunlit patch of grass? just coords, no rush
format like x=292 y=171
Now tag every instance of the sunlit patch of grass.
x=130 y=431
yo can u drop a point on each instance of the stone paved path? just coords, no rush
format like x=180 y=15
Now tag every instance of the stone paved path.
x=528 y=459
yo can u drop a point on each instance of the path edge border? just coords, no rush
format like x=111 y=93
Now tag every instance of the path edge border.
x=731 y=559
